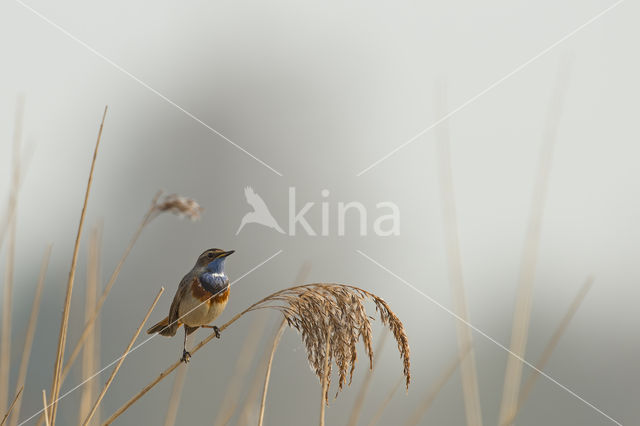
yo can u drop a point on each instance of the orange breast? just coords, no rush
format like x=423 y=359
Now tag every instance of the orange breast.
x=201 y=294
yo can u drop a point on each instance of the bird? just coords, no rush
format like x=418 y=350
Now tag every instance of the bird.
x=260 y=213
x=201 y=297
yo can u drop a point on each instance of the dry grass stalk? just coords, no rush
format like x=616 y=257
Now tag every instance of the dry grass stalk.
x=420 y=411
x=5 y=335
x=243 y=363
x=122 y=358
x=548 y=350
x=326 y=375
x=522 y=312
x=5 y=351
x=62 y=339
x=378 y=414
x=174 y=204
x=310 y=309
x=45 y=409
x=359 y=404
x=16 y=165
x=469 y=374
x=89 y=390
x=15 y=399
x=276 y=341
x=301 y=277
x=31 y=331
x=174 y=399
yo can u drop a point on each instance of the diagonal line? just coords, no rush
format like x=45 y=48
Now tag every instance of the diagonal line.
x=148 y=339
x=492 y=86
x=482 y=333
x=142 y=83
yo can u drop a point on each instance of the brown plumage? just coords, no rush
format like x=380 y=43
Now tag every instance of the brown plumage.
x=201 y=297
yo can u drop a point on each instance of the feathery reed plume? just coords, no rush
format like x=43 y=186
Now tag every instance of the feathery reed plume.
x=179 y=205
x=174 y=399
x=31 y=331
x=62 y=339
x=45 y=410
x=378 y=415
x=522 y=311
x=5 y=333
x=267 y=376
x=122 y=358
x=548 y=350
x=468 y=371
x=15 y=399
x=243 y=362
x=311 y=309
x=437 y=387
x=89 y=390
x=359 y=404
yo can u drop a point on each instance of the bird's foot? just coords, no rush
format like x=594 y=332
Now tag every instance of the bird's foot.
x=186 y=356
x=215 y=329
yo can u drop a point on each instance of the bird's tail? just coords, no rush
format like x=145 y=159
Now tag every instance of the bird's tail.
x=164 y=328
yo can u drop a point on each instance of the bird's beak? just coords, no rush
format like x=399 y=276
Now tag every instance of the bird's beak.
x=227 y=253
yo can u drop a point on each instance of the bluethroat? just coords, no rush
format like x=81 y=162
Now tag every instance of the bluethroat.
x=201 y=297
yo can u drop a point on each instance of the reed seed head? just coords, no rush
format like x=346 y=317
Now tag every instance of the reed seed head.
x=179 y=205
x=336 y=312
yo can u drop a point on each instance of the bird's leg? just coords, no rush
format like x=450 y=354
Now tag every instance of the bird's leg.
x=216 y=330
x=186 y=356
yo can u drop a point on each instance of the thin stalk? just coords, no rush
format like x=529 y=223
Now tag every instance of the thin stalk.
x=62 y=339
x=251 y=399
x=122 y=358
x=243 y=363
x=522 y=311
x=5 y=334
x=45 y=409
x=89 y=390
x=31 y=331
x=267 y=375
x=325 y=377
x=551 y=345
x=174 y=399
x=103 y=297
x=468 y=371
x=437 y=387
x=15 y=399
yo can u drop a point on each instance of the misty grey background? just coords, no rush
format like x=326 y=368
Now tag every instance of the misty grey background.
x=319 y=91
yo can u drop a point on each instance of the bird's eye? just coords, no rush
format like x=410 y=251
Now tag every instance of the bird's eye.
x=210 y=255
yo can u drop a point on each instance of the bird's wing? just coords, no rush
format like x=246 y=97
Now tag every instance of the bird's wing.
x=174 y=310
x=254 y=200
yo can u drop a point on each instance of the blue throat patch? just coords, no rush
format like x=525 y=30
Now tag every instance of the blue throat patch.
x=214 y=279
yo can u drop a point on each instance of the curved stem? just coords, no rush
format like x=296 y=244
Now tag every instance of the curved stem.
x=276 y=340
x=325 y=377
x=62 y=339
x=122 y=358
x=91 y=321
